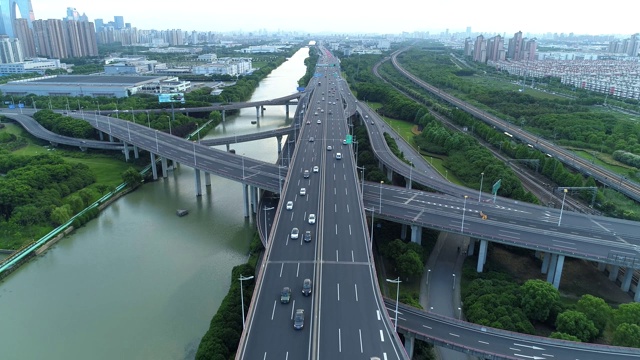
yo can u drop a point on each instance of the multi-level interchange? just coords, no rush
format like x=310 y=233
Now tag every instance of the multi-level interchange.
x=334 y=309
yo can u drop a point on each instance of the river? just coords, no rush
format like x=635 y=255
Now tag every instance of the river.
x=139 y=282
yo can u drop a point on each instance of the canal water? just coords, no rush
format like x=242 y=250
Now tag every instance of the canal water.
x=139 y=282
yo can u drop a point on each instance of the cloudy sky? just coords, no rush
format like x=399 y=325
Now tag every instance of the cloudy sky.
x=359 y=16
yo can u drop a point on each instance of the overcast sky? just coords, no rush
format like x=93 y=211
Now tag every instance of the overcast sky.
x=359 y=16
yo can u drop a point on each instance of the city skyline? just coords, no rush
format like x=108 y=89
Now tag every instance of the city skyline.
x=359 y=17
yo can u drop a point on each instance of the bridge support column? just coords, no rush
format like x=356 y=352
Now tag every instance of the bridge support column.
x=409 y=342
x=198 y=183
x=416 y=234
x=101 y=135
x=245 y=198
x=165 y=170
x=207 y=179
x=552 y=267
x=228 y=147
x=262 y=111
x=626 y=282
x=408 y=183
x=136 y=152
x=390 y=174
x=613 y=273
x=472 y=247
x=279 y=139
x=255 y=199
x=154 y=168
x=258 y=114
x=482 y=255
x=558 y=271
x=403 y=232
x=286 y=111
x=125 y=150
x=636 y=297
x=111 y=138
x=224 y=116
x=380 y=165
x=602 y=266
x=545 y=262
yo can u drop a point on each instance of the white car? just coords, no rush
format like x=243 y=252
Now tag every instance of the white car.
x=295 y=233
x=329 y=148
x=338 y=156
x=303 y=191
x=312 y=218
x=289 y=205
x=316 y=169
x=319 y=122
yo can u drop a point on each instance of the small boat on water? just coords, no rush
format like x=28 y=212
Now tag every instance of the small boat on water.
x=182 y=212
x=253 y=122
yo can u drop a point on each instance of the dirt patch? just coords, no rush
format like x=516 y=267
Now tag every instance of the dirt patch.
x=415 y=130
x=579 y=277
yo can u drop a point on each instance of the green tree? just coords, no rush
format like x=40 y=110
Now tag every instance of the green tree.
x=627 y=313
x=563 y=336
x=132 y=177
x=409 y=264
x=61 y=215
x=627 y=335
x=596 y=310
x=577 y=324
x=537 y=299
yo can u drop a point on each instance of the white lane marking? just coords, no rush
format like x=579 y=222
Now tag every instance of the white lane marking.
x=265 y=356
x=345 y=176
x=339 y=340
x=352 y=257
x=334 y=177
x=356 y=288
x=274 y=309
x=349 y=229
x=293 y=307
x=483 y=342
x=336 y=255
x=335 y=207
x=338 y=284
x=549 y=355
x=298 y=182
x=428 y=327
x=298 y=270
x=382 y=337
x=347 y=207
x=281 y=268
x=336 y=229
x=452 y=334
x=384 y=355
x=334 y=191
x=360 y=334
x=514 y=349
x=346 y=192
x=292 y=216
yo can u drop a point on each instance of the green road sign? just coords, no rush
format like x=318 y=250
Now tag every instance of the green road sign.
x=349 y=139
x=496 y=186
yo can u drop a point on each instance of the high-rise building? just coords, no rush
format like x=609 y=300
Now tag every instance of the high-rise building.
x=495 y=48
x=25 y=35
x=10 y=50
x=515 y=46
x=480 y=49
x=8 y=15
x=63 y=39
x=119 y=20
x=529 y=50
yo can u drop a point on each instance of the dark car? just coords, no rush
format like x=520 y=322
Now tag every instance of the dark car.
x=306 y=287
x=307 y=236
x=298 y=319
x=285 y=295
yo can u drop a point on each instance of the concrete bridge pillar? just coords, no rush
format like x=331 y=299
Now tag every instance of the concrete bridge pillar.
x=409 y=344
x=224 y=116
x=286 y=111
x=390 y=174
x=552 y=267
x=255 y=199
x=636 y=297
x=403 y=232
x=262 y=108
x=416 y=234
x=472 y=246
x=198 y=183
x=380 y=165
x=245 y=198
x=101 y=135
x=228 y=147
x=136 y=152
x=111 y=138
x=545 y=262
x=558 y=271
x=407 y=183
x=154 y=168
x=602 y=266
x=482 y=255
x=626 y=282
x=207 y=179
x=165 y=170
x=258 y=114
x=279 y=140
x=125 y=150
x=613 y=273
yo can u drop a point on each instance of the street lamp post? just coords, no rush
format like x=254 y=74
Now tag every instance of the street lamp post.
x=562 y=207
x=397 y=282
x=195 y=161
x=242 y=278
x=481 y=179
x=464 y=210
x=454 y=281
x=380 y=203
